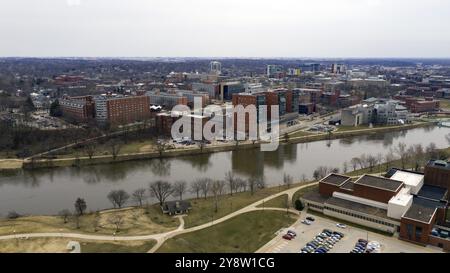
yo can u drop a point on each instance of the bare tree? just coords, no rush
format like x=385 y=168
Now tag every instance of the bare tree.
x=80 y=206
x=388 y=158
x=161 y=147
x=217 y=189
x=287 y=180
x=231 y=180
x=90 y=150
x=354 y=161
x=116 y=220
x=252 y=184
x=115 y=147
x=417 y=156
x=179 y=188
x=304 y=179
x=371 y=161
x=345 y=167
x=139 y=196
x=196 y=187
x=321 y=172
x=241 y=184
x=118 y=198
x=402 y=152
x=96 y=221
x=65 y=214
x=160 y=190
x=432 y=151
x=205 y=185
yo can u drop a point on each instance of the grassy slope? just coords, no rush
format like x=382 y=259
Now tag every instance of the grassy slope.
x=136 y=222
x=58 y=245
x=242 y=234
x=203 y=209
x=277 y=202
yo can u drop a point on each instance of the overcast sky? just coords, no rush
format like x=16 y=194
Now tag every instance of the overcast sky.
x=225 y=28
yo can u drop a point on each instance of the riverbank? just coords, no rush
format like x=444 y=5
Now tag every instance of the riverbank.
x=107 y=159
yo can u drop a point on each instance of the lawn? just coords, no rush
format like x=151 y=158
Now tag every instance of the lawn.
x=245 y=233
x=445 y=104
x=136 y=221
x=298 y=134
x=203 y=209
x=300 y=192
x=277 y=202
x=58 y=245
x=137 y=146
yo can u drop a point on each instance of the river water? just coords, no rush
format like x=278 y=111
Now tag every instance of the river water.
x=47 y=191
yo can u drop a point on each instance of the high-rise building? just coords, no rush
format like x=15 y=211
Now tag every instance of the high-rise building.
x=117 y=110
x=79 y=109
x=227 y=89
x=274 y=71
x=215 y=67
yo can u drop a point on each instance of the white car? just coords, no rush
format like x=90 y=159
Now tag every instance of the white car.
x=341 y=226
x=306 y=222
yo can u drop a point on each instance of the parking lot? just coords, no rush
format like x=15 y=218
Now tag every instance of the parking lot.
x=306 y=233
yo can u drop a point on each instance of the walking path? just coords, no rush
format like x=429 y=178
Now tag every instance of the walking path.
x=162 y=237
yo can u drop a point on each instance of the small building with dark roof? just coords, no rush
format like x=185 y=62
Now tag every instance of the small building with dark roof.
x=176 y=207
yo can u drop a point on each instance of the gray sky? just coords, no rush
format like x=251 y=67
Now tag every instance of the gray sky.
x=225 y=28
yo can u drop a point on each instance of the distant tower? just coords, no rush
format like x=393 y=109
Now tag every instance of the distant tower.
x=215 y=67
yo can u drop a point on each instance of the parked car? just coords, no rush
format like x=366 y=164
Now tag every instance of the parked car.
x=341 y=226
x=306 y=222
x=291 y=232
x=309 y=218
x=288 y=237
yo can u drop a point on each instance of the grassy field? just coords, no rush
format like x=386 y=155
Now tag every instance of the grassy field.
x=277 y=202
x=136 y=221
x=445 y=104
x=203 y=209
x=300 y=192
x=58 y=245
x=137 y=146
x=298 y=134
x=245 y=233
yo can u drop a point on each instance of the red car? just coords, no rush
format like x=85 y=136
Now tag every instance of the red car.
x=287 y=237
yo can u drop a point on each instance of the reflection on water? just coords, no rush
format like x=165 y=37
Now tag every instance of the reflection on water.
x=50 y=190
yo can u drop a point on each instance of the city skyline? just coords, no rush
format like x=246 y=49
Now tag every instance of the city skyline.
x=250 y=29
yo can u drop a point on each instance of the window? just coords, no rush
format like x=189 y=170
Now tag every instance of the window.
x=418 y=233
x=409 y=230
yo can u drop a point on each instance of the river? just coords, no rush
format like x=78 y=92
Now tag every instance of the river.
x=47 y=191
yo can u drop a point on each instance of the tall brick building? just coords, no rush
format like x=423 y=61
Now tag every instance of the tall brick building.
x=122 y=110
x=80 y=109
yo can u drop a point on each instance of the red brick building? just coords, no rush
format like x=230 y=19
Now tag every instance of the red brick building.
x=80 y=109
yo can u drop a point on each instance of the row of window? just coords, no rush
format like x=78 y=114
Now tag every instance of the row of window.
x=361 y=217
x=352 y=215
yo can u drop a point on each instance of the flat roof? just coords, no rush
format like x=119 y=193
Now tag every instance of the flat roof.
x=335 y=179
x=432 y=192
x=422 y=210
x=379 y=182
x=409 y=178
x=348 y=185
x=350 y=205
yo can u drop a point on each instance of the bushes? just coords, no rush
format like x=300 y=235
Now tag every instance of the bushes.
x=299 y=205
x=13 y=215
